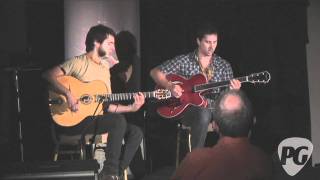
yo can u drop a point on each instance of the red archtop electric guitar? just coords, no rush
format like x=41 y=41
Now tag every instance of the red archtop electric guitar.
x=194 y=87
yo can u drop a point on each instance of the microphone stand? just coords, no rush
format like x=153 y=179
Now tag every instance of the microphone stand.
x=17 y=89
x=16 y=77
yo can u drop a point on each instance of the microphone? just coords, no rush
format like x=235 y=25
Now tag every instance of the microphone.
x=111 y=59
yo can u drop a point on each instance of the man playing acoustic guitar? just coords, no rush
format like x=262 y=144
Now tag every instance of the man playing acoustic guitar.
x=201 y=61
x=100 y=43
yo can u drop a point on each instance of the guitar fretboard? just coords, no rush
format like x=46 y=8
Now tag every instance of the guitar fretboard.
x=122 y=96
x=213 y=85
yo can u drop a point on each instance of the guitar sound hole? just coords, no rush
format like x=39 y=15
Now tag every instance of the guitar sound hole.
x=86 y=99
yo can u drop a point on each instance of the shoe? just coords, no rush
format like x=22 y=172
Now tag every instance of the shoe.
x=108 y=173
x=99 y=155
x=121 y=176
x=103 y=176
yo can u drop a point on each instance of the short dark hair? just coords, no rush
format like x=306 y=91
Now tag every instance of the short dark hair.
x=97 y=33
x=236 y=122
x=205 y=29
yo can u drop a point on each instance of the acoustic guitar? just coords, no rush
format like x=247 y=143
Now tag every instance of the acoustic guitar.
x=193 y=89
x=91 y=96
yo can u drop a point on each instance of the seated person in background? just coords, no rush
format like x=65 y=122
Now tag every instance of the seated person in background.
x=126 y=74
x=100 y=45
x=233 y=157
x=126 y=78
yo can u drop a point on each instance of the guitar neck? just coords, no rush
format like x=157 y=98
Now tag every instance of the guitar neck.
x=213 y=85
x=124 y=96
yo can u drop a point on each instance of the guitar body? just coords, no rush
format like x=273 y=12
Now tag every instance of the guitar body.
x=193 y=88
x=84 y=92
x=173 y=107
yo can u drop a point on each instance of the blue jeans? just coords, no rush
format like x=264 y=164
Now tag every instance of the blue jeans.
x=198 y=119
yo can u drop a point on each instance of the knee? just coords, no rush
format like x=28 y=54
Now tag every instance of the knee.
x=204 y=123
x=118 y=122
x=121 y=122
x=139 y=134
x=203 y=117
x=136 y=132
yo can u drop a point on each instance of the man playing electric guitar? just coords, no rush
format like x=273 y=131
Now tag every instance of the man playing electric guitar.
x=100 y=43
x=201 y=61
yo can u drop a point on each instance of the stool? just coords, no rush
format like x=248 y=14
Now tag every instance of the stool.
x=70 y=144
x=180 y=129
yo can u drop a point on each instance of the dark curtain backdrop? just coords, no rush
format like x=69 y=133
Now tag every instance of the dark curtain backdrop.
x=255 y=36
x=41 y=45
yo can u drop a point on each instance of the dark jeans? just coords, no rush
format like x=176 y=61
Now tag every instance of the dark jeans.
x=118 y=129
x=198 y=119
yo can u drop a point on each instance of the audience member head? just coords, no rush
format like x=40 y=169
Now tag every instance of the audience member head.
x=234 y=114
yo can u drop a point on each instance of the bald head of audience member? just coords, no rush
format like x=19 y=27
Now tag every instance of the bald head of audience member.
x=233 y=114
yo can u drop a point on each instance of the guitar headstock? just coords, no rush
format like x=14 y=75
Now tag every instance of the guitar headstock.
x=261 y=77
x=162 y=94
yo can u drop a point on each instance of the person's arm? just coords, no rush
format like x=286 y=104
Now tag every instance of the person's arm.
x=51 y=76
x=161 y=79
